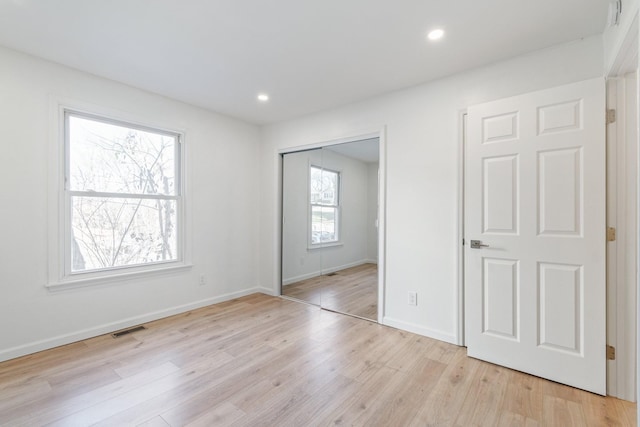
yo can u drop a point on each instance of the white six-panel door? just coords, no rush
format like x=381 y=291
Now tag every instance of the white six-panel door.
x=535 y=194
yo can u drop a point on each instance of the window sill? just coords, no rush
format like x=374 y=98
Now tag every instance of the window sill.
x=324 y=245
x=101 y=279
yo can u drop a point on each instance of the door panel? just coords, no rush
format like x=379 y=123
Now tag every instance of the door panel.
x=566 y=116
x=500 y=188
x=560 y=192
x=500 y=297
x=535 y=195
x=560 y=292
x=500 y=128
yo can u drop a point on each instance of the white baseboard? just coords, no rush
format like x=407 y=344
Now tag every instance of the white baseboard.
x=84 y=334
x=267 y=291
x=420 y=330
x=327 y=270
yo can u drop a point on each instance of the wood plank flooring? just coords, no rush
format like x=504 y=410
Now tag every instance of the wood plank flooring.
x=268 y=361
x=352 y=290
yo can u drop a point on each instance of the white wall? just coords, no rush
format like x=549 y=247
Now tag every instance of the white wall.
x=221 y=165
x=422 y=177
x=300 y=262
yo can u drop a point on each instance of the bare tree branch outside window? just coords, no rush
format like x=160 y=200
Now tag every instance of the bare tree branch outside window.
x=123 y=188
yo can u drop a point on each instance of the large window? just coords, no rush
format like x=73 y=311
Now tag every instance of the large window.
x=324 y=192
x=122 y=195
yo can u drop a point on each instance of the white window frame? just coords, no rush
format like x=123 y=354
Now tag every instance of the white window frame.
x=337 y=207
x=60 y=274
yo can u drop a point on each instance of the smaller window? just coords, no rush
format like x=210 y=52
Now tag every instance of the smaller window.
x=324 y=197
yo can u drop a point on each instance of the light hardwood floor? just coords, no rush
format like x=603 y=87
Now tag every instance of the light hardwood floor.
x=352 y=290
x=267 y=361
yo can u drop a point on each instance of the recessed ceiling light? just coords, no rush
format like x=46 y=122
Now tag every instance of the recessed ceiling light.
x=436 y=34
x=263 y=97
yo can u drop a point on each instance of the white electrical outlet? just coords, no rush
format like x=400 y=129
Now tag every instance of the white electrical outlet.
x=413 y=298
x=202 y=281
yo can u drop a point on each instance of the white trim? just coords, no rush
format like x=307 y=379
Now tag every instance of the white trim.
x=420 y=330
x=625 y=59
x=627 y=367
x=57 y=225
x=317 y=246
x=459 y=255
x=622 y=213
x=317 y=273
x=122 y=195
x=263 y=290
x=66 y=115
x=636 y=279
x=59 y=340
x=622 y=176
x=382 y=222
x=81 y=281
x=354 y=137
x=612 y=247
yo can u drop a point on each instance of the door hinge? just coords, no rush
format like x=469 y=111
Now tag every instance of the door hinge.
x=611 y=234
x=611 y=352
x=611 y=116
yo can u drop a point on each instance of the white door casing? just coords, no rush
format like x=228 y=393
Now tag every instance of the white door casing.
x=535 y=193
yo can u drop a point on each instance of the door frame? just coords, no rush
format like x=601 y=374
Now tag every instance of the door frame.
x=622 y=175
x=622 y=204
x=462 y=150
x=379 y=133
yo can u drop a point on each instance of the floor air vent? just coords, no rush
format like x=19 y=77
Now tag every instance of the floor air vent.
x=127 y=331
x=332 y=274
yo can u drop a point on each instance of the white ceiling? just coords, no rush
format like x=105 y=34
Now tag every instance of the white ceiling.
x=308 y=55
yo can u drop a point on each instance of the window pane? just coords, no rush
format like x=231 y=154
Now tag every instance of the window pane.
x=315 y=184
x=105 y=157
x=323 y=224
x=324 y=187
x=112 y=232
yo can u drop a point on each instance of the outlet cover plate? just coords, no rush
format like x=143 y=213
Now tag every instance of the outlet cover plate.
x=413 y=298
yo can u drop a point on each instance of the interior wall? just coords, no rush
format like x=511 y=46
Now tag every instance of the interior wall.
x=299 y=261
x=221 y=173
x=422 y=205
